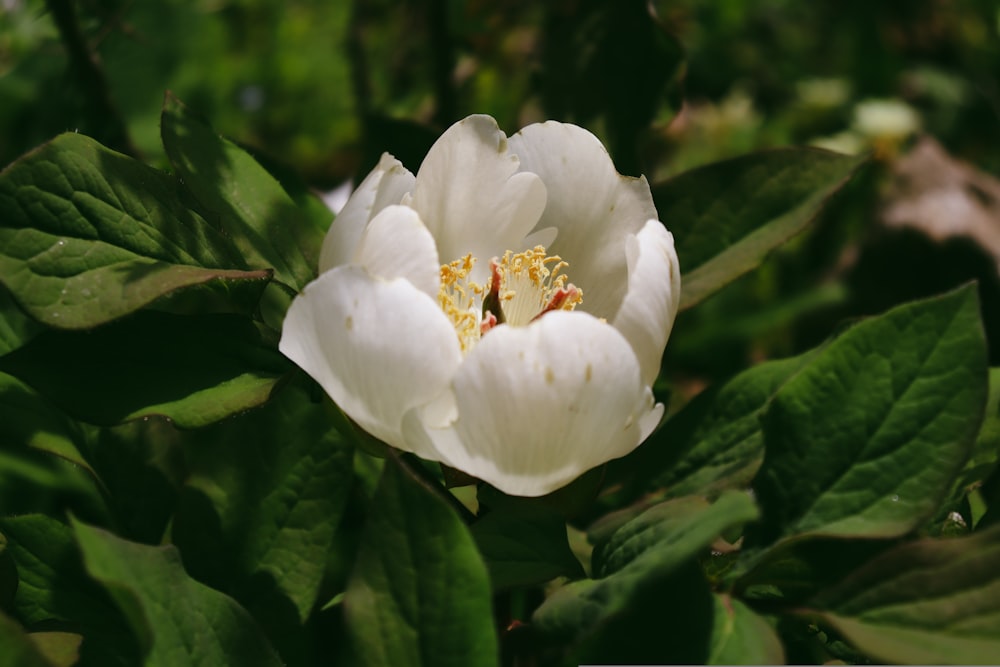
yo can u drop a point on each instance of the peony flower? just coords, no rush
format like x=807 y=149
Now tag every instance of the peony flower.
x=503 y=312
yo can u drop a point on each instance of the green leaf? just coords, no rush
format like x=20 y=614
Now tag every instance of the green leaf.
x=867 y=439
x=61 y=649
x=741 y=637
x=89 y=235
x=142 y=465
x=713 y=444
x=420 y=593
x=262 y=503
x=191 y=369
x=524 y=546
x=928 y=602
x=16 y=328
x=263 y=221
x=178 y=621
x=16 y=648
x=637 y=560
x=27 y=420
x=53 y=587
x=727 y=216
x=41 y=467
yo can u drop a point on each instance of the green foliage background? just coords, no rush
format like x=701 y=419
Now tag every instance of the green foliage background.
x=173 y=491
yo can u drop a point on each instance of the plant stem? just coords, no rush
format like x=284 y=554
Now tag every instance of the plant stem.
x=105 y=123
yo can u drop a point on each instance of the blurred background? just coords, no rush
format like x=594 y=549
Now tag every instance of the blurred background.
x=321 y=88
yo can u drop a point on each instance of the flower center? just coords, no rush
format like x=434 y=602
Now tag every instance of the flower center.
x=521 y=288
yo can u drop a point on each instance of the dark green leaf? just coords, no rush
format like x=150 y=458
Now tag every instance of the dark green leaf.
x=524 y=546
x=41 y=467
x=193 y=370
x=727 y=216
x=53 y=587
x=142 y=465
x=263 y=221
x=714 y=443
x=868 y=438
x=741 y=637
x=27 y=420
x=178 y=621
x=928 y=602
x=90 y=235
x=262 y=503
x=638 y=558
x=420 y=593
x=16 y=328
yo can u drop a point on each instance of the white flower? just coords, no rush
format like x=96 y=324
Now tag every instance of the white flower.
x=552 y=376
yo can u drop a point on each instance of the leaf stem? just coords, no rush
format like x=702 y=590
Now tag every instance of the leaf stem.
x=107 y=124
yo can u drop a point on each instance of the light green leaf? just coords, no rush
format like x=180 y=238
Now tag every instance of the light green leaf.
x=926 y=602
x=263 y=501
x=741 y=637
x=178 y=621
x=61 y=649
x=524 y=546
x=261 y=218
x=191 y=369
x=867 y=439
x=636 y=561
x=420 y=593
x=727 y=216
x=16 y=648
x=89 y=235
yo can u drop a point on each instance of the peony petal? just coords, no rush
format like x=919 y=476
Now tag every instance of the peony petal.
x=377 y=348
x=471 y=197
x=590 y=203
x=539 y=405
x=385 y=185
x=654 y=293
x=395 y=244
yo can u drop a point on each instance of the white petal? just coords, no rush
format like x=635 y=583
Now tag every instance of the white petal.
x=395 y=244
x=378 y=348
x=470 y=195
x=385 y=185
x=654 y=293
x=540 y=405
x=590 y=203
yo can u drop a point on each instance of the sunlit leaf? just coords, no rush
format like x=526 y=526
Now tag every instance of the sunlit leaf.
x=868 y=438
x=88 y=235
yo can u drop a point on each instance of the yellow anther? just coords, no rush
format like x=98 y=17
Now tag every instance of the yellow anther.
x=522 y=287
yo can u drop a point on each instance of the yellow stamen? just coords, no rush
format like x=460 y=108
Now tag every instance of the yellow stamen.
x=522 y=287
